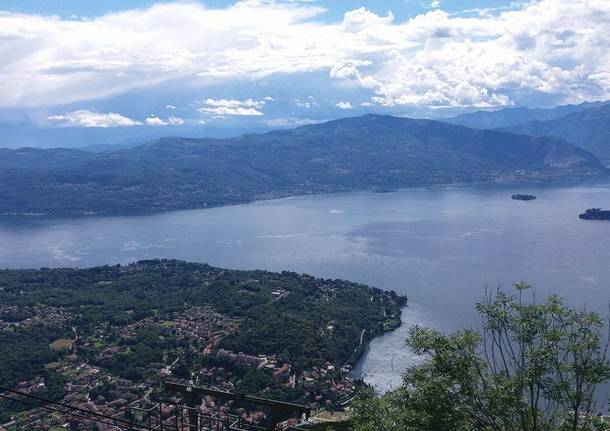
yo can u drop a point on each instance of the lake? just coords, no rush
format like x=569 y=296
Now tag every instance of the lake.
x=440 y=246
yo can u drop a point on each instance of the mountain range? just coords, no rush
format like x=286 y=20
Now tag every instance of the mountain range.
x=362 y=153
x=509 y=117
x=589 y=129
x=586 y=125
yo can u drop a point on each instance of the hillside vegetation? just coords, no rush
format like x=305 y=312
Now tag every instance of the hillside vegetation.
x=534 y=366
x=364 y=153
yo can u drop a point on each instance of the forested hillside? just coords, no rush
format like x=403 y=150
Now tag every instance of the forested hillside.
x=364 y=153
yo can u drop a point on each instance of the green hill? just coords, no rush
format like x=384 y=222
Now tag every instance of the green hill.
x=364 y=153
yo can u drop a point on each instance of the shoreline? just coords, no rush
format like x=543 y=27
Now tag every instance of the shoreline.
x=508 y=183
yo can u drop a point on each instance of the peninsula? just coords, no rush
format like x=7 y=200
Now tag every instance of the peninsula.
x=104 y=335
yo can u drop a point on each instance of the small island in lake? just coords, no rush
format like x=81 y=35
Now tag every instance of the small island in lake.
x=518 y=197
x=595 y=214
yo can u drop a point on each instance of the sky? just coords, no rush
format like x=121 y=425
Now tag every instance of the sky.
x=221 y=67
x=334 y=9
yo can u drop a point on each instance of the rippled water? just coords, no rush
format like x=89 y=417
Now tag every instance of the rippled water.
x=440 y=246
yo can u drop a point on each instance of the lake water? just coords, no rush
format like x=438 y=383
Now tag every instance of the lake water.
x=440 y=246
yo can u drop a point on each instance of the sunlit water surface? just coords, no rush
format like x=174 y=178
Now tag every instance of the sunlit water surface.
x=440 y=246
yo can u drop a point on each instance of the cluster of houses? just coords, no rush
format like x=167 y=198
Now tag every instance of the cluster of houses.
x=91 y=387
x=25 y=317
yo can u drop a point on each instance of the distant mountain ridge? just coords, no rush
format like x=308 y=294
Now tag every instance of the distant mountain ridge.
x=589 y=129
x=362 y=153
x=509 y=117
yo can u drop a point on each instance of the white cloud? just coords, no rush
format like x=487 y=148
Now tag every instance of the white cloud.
x=155 y=121
x=172 y=120
x=232 y=103
x=84 y=118
x=361 y=19
x=175 y=121
x=222 y=107
x=542 y=48
x=170 y=107
x=344 y=105
x=309 y=102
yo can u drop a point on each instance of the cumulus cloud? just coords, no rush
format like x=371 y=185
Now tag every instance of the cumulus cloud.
x=85 y=118
x=222 y=107
x=361 y=19
x=536 y=50
x=155 y=121
x=546 y=48
x=175 y=121
x=344 y=105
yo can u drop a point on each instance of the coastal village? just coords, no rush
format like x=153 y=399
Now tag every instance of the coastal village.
x=90 y=385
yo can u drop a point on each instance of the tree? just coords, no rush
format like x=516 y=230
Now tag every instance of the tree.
x=533 y=367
